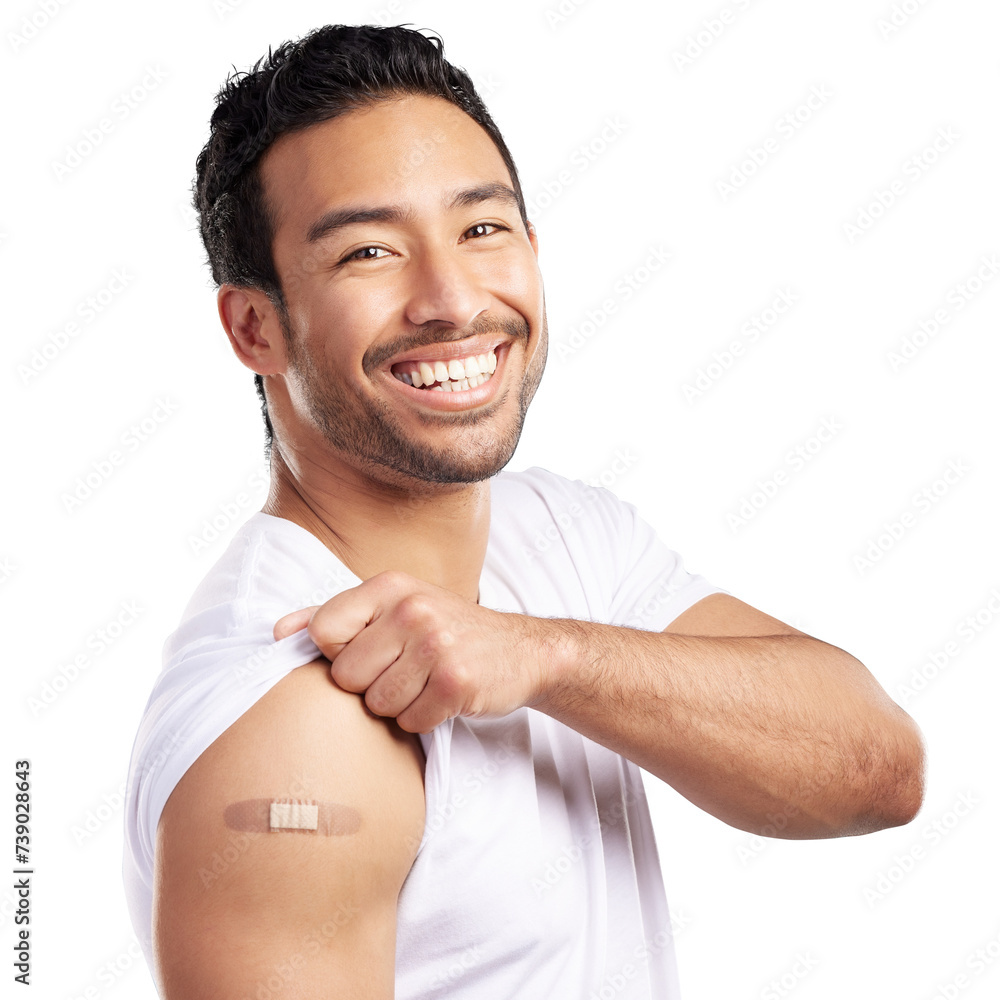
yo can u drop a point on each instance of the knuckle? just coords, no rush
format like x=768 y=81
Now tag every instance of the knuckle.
x=452 y=681
x=436 y=646
x=414 y=610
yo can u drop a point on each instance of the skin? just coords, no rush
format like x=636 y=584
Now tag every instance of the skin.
x=743 y=714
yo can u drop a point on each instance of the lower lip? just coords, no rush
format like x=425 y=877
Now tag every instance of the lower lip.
x=462 y=399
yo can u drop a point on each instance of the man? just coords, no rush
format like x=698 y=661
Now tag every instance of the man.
x=393 y=750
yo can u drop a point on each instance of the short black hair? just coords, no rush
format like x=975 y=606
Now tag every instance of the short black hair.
x=330 y=71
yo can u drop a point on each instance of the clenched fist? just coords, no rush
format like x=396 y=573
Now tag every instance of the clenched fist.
x=422 y=654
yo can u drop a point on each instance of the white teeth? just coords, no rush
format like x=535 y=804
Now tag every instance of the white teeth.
x=455 y=375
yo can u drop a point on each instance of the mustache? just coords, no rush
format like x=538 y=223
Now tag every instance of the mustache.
x=515 y=327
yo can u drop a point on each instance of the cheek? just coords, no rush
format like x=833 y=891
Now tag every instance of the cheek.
x=518 y=282
x=342 y=322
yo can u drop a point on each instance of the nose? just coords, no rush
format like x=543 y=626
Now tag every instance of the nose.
x=445 y=289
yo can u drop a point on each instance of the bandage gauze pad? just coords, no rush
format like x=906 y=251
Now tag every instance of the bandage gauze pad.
x=294 y=816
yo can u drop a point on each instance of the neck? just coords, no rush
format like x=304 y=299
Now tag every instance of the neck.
x=436 y=532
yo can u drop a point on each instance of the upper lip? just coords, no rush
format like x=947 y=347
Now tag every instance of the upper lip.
x=482 y=344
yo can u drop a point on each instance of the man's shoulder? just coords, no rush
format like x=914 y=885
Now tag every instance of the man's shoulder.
x=270 y=567
x=300 y=822
x=522 y=490
x=536 y=499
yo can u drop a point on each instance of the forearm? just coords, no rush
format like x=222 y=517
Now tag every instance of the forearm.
x=745 y=727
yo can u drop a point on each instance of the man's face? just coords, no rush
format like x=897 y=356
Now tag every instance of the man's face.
x=401 y=251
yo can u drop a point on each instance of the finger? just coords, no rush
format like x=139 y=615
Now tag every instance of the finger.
x=397 y=687
x=443 y=697
x=423 y=714
x=293 y=622
x=361 y=661
x=346 y=614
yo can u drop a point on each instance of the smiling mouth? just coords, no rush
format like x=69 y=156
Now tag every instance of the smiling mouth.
x=454 y=375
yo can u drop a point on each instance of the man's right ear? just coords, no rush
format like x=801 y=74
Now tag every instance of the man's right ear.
x=253 y=328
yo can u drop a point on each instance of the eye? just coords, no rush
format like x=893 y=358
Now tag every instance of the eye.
x=364 y=253
x=485 y=229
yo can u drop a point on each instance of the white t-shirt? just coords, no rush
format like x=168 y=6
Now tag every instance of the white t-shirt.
x=537 y=875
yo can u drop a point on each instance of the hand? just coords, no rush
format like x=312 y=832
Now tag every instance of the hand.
x=422 y=654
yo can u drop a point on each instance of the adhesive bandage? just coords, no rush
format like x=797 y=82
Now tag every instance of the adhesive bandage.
x=327 y=819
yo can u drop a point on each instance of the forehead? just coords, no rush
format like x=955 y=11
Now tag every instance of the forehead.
x=405 y=150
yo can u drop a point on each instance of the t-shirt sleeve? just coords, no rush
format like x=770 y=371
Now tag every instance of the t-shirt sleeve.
x=649 y=585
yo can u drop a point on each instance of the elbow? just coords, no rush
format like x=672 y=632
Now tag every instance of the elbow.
x=893 y=778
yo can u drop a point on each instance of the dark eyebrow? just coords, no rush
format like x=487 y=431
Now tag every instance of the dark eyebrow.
x=338 y=218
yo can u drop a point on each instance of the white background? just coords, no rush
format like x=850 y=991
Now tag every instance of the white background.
x=747 y=912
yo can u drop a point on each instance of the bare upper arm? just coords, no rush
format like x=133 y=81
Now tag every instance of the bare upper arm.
x=725 y=615
x=313 y=912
